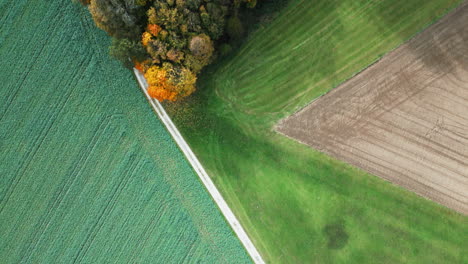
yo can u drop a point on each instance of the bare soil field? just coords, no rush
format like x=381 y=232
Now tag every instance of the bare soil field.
x=405 y=118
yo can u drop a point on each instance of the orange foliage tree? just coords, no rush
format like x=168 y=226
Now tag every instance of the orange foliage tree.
x=154 y=29
x=169 y=82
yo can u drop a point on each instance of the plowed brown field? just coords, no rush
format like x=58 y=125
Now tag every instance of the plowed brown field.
x=405 y=118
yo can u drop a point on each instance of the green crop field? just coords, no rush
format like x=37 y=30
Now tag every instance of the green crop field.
x=87 y=172
x=299 y=205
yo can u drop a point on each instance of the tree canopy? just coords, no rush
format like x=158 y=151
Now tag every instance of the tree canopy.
x=170 y=41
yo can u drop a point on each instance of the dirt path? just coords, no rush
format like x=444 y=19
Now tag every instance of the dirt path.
x=404 y=119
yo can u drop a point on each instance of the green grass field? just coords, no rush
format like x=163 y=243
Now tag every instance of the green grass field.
x=87 y=172
x=299 y=205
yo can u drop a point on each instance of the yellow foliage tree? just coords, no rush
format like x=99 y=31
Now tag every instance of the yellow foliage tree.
x=145 y=38
x=169 y=82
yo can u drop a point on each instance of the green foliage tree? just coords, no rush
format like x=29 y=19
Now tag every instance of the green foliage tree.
x=119 y=18
x=127 y=51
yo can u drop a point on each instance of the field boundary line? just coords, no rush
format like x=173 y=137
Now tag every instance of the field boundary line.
x=200 y=171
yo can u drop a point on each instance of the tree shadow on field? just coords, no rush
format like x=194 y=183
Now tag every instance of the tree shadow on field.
x=293 y=56
x=263 y=14
x=253 y=19
x=233 y=143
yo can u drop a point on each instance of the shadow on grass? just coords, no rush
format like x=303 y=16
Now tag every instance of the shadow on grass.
x=336 y=235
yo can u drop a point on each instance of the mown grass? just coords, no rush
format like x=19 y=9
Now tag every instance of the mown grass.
x=299 y=205
x=87 y=172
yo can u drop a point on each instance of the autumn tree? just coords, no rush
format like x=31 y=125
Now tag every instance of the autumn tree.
x=170 y=41
x=169 y=82
x=201 y=47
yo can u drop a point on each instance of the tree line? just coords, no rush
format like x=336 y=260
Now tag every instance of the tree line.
x=169 y=41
